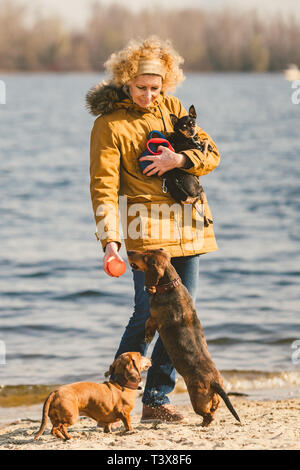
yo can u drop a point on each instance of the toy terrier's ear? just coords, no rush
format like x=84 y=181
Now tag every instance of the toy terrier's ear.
x=174 y=119
x=192 y=112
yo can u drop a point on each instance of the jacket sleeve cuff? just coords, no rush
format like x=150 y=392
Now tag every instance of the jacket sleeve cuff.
x=194 y=161
x=107 y=237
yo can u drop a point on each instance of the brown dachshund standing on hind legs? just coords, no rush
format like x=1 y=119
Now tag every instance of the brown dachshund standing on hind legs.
x=173 y=315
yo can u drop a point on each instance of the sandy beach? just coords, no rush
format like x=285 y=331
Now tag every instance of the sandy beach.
x=273 y=424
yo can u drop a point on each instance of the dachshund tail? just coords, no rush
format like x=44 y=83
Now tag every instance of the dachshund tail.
x=218 y=389
x=45 y=415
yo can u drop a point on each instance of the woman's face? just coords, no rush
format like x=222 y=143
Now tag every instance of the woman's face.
x=144 y=89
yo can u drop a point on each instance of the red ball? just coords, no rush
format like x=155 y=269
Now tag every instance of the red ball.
x=115 y=267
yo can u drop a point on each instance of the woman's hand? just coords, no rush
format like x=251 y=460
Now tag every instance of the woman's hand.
x=166 y=161
x=111 y=249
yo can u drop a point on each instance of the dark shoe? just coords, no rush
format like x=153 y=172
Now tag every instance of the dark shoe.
x=165 y=413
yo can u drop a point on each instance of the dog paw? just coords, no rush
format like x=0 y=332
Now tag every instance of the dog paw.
x=206 y=421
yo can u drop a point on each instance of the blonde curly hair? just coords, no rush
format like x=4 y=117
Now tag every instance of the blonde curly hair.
x=123 y=65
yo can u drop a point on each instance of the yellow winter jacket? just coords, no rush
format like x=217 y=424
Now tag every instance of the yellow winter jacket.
x=150 y=218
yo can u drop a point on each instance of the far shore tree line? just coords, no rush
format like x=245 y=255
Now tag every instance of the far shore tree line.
x=222 y=40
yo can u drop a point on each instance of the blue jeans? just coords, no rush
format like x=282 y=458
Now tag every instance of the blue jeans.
x=161 y=375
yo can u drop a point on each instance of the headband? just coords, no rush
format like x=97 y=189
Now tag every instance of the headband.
x=151 y=66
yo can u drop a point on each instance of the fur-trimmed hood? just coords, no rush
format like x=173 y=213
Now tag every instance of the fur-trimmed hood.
x=106 y=97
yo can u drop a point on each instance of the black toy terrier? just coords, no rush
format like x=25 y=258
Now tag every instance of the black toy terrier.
x=183 y=186
x=185 y=135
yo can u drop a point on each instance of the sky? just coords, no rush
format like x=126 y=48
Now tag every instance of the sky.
x=75 y=12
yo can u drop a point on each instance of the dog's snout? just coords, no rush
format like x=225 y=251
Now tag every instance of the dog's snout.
x=134 y=266
x=130 y=254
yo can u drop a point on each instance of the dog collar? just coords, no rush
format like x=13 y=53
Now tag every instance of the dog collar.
x=163 y=288
x=120 y=379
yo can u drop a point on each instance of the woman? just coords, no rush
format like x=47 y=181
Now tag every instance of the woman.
x=130 y=105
